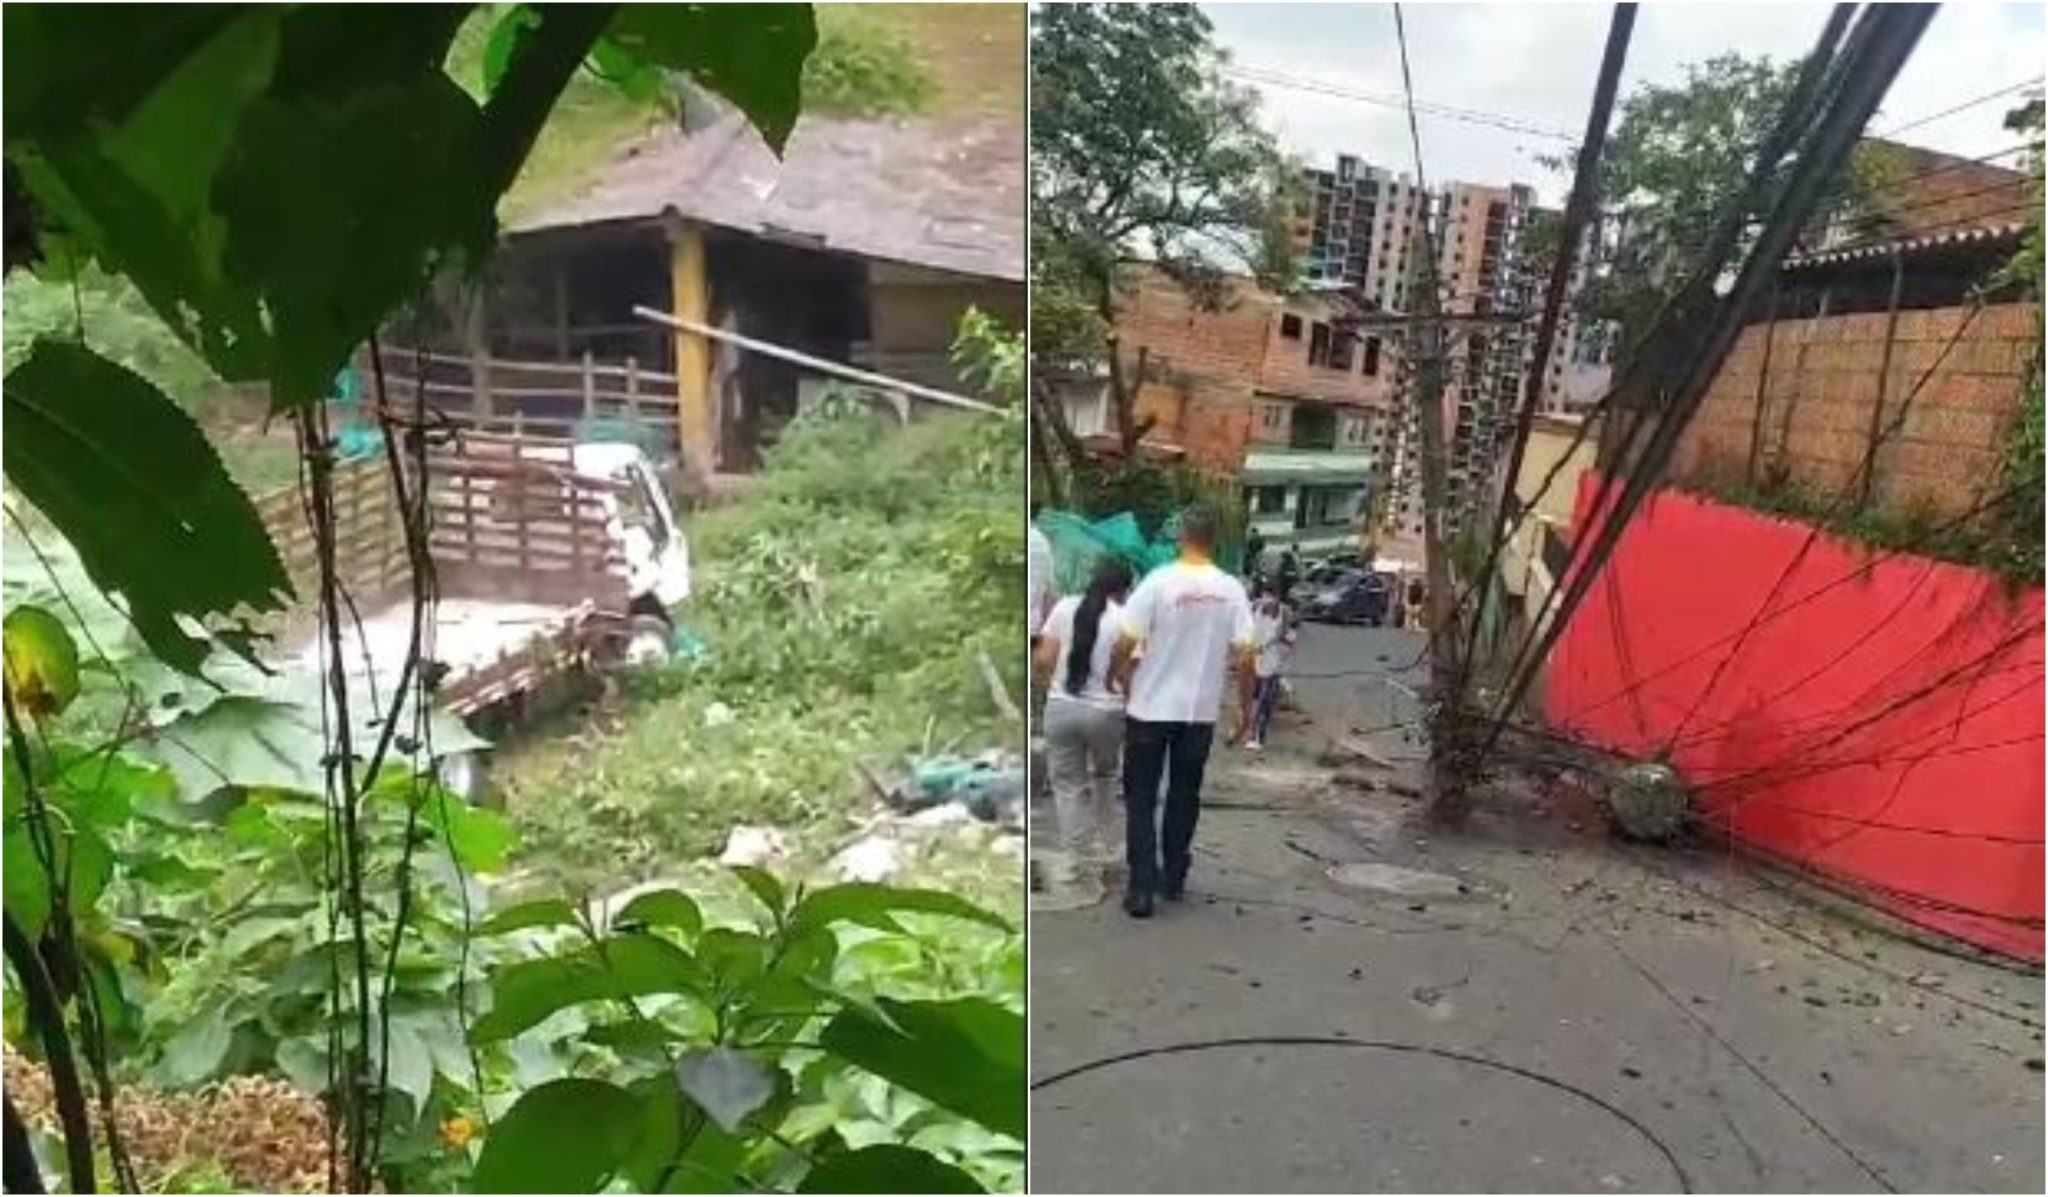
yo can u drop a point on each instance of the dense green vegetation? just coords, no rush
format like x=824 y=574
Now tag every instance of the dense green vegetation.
x=845 y=604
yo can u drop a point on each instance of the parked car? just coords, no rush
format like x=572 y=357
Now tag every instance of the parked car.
x=1352 y=596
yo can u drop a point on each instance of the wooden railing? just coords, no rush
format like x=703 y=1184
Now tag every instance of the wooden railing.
x=529 y=399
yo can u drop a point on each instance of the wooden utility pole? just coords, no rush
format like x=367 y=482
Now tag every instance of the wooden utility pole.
x=1447 y=784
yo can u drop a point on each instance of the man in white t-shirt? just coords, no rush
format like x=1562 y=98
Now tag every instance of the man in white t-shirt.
x=1186 y=629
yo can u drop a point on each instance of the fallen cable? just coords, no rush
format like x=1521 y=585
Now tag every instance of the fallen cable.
x=1685 y=1184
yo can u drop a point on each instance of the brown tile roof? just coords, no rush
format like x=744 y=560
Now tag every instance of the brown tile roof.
x=948 y=195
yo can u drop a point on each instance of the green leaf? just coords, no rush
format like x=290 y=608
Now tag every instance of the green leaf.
x=62 y=69
x=511 y=29
x=887 y=1168
x=132 y=483
x=966 y=1055
x=303 y=1060
x=41 y=661
x=482 y=839
x=331 y=255
x=752 y=54
x=730 y=1085
x=661 y=1162
x=410 y=1067
x=873 y=905
x=763 y=885
x=622 y=966
x=79 y=856
x=196 y=1052
x=254 y=743
x=662 y=908
x=543 y=912
x=567 y=1136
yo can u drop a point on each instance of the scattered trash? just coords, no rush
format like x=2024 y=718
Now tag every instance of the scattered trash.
x=872 y=858
x=718 y=715
x=1634 y=1074
x=754 y=846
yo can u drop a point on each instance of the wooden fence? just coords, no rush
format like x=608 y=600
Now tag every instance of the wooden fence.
x=539 y=400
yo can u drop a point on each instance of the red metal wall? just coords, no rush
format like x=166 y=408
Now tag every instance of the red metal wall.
x=1882 y=724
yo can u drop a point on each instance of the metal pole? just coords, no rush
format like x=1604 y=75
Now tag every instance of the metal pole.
x=821 y=365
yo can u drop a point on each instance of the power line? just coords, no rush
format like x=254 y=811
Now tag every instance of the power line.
x=1966 y=105
x=1511 y=124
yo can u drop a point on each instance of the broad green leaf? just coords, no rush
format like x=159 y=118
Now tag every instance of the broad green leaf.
x=735 y=958
x=873 y=905
x=966 y=1055
x=752 y=54
x=730 y=1085
x=567 y=1136
x=132 y=483
x=79 y=856
x=196 y=1052
x=622 y=966
x=543 y=912
x=388 y=181
x=63 y=70
x=482 y=839
x=887 y=1168
x=253 y=743
x=411 y=1064
x=303 y=1060
x=662 y=908
x=765 y=888
x=661 y=1161
x=250 y=932
x=41 y=661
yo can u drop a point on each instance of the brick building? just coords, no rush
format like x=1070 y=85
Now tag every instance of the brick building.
x=1290 y=396
x=1857 y=402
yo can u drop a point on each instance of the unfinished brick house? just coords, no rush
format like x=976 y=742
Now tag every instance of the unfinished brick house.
x=1285 y=395
x=1881 y=382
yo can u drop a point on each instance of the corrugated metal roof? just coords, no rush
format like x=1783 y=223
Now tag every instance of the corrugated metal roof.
x=944 y=195
x=1908 y=246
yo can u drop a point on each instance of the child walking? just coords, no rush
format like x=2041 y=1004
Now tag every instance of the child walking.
x=1273 y=635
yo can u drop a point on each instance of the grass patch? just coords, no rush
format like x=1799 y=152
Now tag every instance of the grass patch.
x=864 y=67
x=845 y=603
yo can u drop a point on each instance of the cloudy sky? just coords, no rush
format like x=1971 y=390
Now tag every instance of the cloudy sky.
x=1534 y=64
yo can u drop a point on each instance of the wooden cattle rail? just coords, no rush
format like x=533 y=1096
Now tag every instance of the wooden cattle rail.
x=507 y=523
x=534 y=400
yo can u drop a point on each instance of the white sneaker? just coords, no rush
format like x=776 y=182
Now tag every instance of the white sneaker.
x=1253 y=745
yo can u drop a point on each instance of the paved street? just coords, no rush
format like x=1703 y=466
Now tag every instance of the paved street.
x=1351 y=1002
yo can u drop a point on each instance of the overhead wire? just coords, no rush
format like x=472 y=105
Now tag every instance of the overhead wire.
x=1965 y=106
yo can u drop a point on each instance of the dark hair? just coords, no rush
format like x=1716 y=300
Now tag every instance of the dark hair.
x=1199 y=526
x=1112 y=577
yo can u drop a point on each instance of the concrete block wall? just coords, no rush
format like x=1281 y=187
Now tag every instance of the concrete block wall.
x=1810 y=415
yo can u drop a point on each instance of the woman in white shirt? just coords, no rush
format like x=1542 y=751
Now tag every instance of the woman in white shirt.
x=1084 y=719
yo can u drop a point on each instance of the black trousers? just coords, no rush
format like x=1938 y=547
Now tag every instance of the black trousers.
x=1179 y=751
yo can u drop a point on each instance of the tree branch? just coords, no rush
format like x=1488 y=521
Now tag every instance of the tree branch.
x=47 y=1017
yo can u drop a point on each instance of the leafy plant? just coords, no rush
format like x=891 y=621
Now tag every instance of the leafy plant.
x=845 y=603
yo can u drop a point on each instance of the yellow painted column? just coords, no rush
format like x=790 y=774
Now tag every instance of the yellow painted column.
x=690 y=291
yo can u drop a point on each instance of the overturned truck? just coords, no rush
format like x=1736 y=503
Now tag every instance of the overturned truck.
x=552 y=562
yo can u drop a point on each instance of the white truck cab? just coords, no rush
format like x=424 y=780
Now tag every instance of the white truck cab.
x=644 y=525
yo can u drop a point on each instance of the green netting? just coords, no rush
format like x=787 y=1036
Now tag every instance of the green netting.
x=1079 y=542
